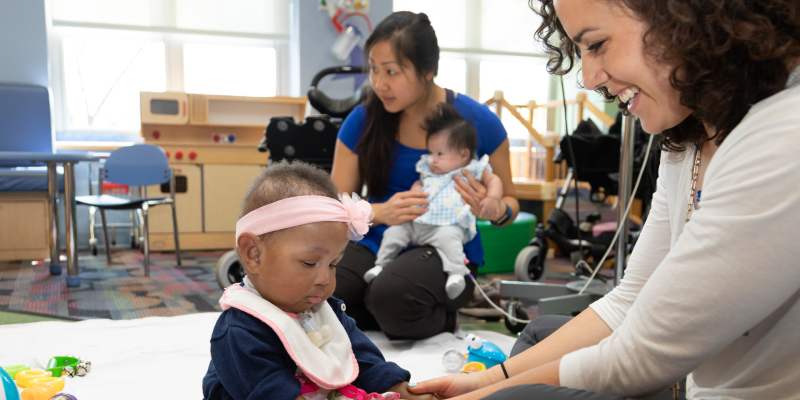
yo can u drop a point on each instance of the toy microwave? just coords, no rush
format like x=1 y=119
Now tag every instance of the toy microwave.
x=165 y=108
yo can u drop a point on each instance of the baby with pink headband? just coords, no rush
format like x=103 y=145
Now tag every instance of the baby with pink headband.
x=281 y=335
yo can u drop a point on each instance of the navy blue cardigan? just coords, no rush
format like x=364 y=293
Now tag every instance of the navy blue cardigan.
x=248 y=360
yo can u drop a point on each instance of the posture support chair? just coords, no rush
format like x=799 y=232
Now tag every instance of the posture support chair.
x=137 y=165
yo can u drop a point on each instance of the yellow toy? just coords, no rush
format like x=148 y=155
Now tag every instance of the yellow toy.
x=43 y=388
x=24 y=378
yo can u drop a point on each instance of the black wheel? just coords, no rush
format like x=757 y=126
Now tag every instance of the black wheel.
x=94 y=249
x=229 y=269
x=512 y=307
x=530 y=264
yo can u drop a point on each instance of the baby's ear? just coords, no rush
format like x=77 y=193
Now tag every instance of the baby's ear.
x=250 y=254
x=465 y=153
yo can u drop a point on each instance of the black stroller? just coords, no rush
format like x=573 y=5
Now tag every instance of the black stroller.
x=312 y=141
x=597 y=155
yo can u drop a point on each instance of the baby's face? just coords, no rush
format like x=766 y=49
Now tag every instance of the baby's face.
x=443 y=158
x=298 y=265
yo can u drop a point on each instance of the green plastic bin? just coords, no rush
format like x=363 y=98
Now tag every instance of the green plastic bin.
x=501 y=245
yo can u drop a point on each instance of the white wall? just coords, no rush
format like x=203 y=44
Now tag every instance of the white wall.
x=23 y=42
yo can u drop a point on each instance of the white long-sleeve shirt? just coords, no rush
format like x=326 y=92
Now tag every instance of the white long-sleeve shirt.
x=719 y=296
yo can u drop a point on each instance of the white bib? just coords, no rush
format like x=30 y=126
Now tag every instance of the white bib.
x=331 y=366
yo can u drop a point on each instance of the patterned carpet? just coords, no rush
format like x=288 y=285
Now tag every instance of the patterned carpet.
x=122 y=292
x=117 y=292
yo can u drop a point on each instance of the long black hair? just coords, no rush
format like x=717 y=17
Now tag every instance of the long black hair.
x=413 y=41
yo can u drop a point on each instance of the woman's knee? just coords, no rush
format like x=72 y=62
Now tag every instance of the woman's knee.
x=537 y=330
x=404 y=309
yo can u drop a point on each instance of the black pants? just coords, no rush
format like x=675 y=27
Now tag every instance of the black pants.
x=407 y=300
x=536 y=331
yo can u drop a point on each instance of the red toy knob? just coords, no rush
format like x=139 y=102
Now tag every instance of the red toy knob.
x=156 y=134
x=192 y=155
x=216 y=138
x=178 y=154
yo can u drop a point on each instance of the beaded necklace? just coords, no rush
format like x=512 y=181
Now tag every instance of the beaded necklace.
x=693 y=193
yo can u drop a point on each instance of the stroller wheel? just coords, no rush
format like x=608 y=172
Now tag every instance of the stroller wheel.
x=513 y=308
x=229 y=269
x=93 y=246
x=530 y=266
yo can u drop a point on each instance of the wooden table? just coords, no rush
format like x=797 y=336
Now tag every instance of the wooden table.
x=69 y=161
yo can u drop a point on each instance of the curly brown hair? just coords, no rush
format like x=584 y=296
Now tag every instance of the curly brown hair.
x=726 y=55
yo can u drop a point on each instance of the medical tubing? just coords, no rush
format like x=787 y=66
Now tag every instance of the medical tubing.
x=512 y=318
x=625 y=218
x=574 y=170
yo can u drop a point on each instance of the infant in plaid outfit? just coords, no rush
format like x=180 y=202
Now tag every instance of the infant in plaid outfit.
x=448 y=224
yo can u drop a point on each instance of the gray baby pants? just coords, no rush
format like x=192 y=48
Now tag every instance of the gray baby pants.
x=448 y=240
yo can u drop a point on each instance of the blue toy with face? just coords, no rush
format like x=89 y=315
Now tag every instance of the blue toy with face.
x=483 y=351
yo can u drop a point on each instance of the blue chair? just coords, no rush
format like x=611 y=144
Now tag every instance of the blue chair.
x=137 y=165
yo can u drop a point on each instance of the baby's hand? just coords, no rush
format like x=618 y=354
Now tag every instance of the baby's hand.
x=402 y=389
x=489 y=208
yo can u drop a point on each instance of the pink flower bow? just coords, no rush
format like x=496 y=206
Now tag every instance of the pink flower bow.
x=360 y=213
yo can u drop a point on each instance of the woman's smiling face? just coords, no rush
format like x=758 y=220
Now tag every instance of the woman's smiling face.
x=613 y=55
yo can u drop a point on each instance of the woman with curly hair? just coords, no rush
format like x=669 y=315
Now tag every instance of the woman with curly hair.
x=712 y=289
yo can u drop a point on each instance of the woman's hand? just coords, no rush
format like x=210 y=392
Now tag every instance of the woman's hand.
x=403 y=389
x=452 y=385
x=473 y=193
x=400 y=208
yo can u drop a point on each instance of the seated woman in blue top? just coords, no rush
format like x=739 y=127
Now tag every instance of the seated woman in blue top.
x=379 y=145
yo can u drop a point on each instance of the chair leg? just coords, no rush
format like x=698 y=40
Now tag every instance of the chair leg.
x=92 y=238
x=139 y=231
x=175 y=232
x=105 y=236
x=146 y=229
x=133 y=229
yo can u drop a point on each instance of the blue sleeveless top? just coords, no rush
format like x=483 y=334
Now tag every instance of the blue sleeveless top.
x=403 y=174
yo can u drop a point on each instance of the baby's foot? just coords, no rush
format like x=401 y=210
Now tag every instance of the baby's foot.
x=372 y=273
x=454 y=286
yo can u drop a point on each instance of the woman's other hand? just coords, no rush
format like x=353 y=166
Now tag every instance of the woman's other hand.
x=402 y=388
x=473 y=192
x=400 y=208
x=452 y=385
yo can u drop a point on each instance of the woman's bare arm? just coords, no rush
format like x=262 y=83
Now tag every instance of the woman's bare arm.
x=500 y=161
x=539 y=364
x=345 y=169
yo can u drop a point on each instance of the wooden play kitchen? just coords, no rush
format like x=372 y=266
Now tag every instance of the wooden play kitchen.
x=211 y=141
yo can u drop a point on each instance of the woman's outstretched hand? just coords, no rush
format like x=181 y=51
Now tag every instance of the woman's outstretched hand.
x=450 y=386
x=400 y=208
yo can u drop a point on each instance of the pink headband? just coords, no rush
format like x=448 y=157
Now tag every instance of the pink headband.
x=302 y=210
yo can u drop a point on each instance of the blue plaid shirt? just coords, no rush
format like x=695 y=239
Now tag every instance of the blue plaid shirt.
x=446 y=206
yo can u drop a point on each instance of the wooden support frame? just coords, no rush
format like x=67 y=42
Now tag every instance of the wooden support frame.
x=544 y=190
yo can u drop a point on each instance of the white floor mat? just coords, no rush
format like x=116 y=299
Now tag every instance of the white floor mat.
x=166 y=357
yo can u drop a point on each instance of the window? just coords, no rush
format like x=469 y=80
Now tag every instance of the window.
x=104 y=52
x=231 y=70
x=496 y=35
x=521 y=81
x=102 y=78
x=452 y=74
